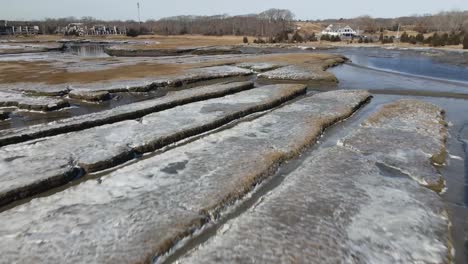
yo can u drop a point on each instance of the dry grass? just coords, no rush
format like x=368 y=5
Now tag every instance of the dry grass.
x=304 y=59
x=171 y=42
x=309 y=27
x=44 y=72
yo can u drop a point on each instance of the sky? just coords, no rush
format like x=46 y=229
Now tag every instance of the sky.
x=155 y=9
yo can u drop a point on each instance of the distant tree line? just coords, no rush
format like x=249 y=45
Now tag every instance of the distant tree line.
x=330 y=38
x=437 y=39
x=443 y=21
x=269 y=24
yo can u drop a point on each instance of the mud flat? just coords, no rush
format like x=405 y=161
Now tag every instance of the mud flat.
x=20 y=48
x=56 y=160
x=125 y=112
x=345 y=206
x=189 y=77
x=139 y=85
x=130 y=52
x=142 y=210
x=161 y=52
x=21 y=101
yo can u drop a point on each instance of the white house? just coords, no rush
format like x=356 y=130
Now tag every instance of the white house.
x=339 y=30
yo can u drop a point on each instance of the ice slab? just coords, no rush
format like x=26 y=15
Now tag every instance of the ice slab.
x=34 y=103
x=343 y=205
x=337 y=207
x=125 y=112
x=55 y=160
x=298 y=73
x=417 y=132
x=142 y=210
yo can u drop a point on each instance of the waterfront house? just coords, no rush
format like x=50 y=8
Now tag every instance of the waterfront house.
x=339 y=30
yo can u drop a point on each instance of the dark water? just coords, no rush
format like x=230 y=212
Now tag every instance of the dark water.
x=87 y=50
x=20 y=118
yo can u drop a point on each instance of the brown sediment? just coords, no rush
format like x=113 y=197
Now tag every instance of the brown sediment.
x=316 y=59
x=169 y=243
x=172 y=42
x=43 y=72
x=273 y=161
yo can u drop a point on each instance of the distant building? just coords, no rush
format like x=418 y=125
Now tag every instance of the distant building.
x=339 y=30
x=79 y=29
x=107 y=30
x=6 y=29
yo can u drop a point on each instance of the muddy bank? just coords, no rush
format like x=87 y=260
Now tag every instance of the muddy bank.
x=135 y=52
x=343 y=205
x=251 y=48
x=125 y=112
x=143 y=209
x=143 y=84
x=24 y=48
x=56 y=160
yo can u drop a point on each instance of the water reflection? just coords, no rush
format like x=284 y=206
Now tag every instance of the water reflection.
x=87 y=50
x=430 y=64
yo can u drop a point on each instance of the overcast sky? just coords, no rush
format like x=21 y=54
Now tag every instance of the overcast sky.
x=155 y=9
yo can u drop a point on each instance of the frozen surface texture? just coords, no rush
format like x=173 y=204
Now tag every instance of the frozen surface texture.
x=23 y=101
x=125 y=112
x=142 y=210
x=55 y=160
x=4 y=115
x=148 y=84
x=407 y=135
x=258 y=66
x=343 y=206
x=137 y=85
x=338 y=207
x=298 y=73
x=89 y=95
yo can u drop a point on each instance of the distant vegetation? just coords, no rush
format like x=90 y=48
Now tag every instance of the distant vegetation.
x=278 y=25
x=441 y=22
x=437 y=39
x=133 y=32
x=330 y=38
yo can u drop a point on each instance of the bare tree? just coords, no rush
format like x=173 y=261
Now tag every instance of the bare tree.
x=367 y=23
